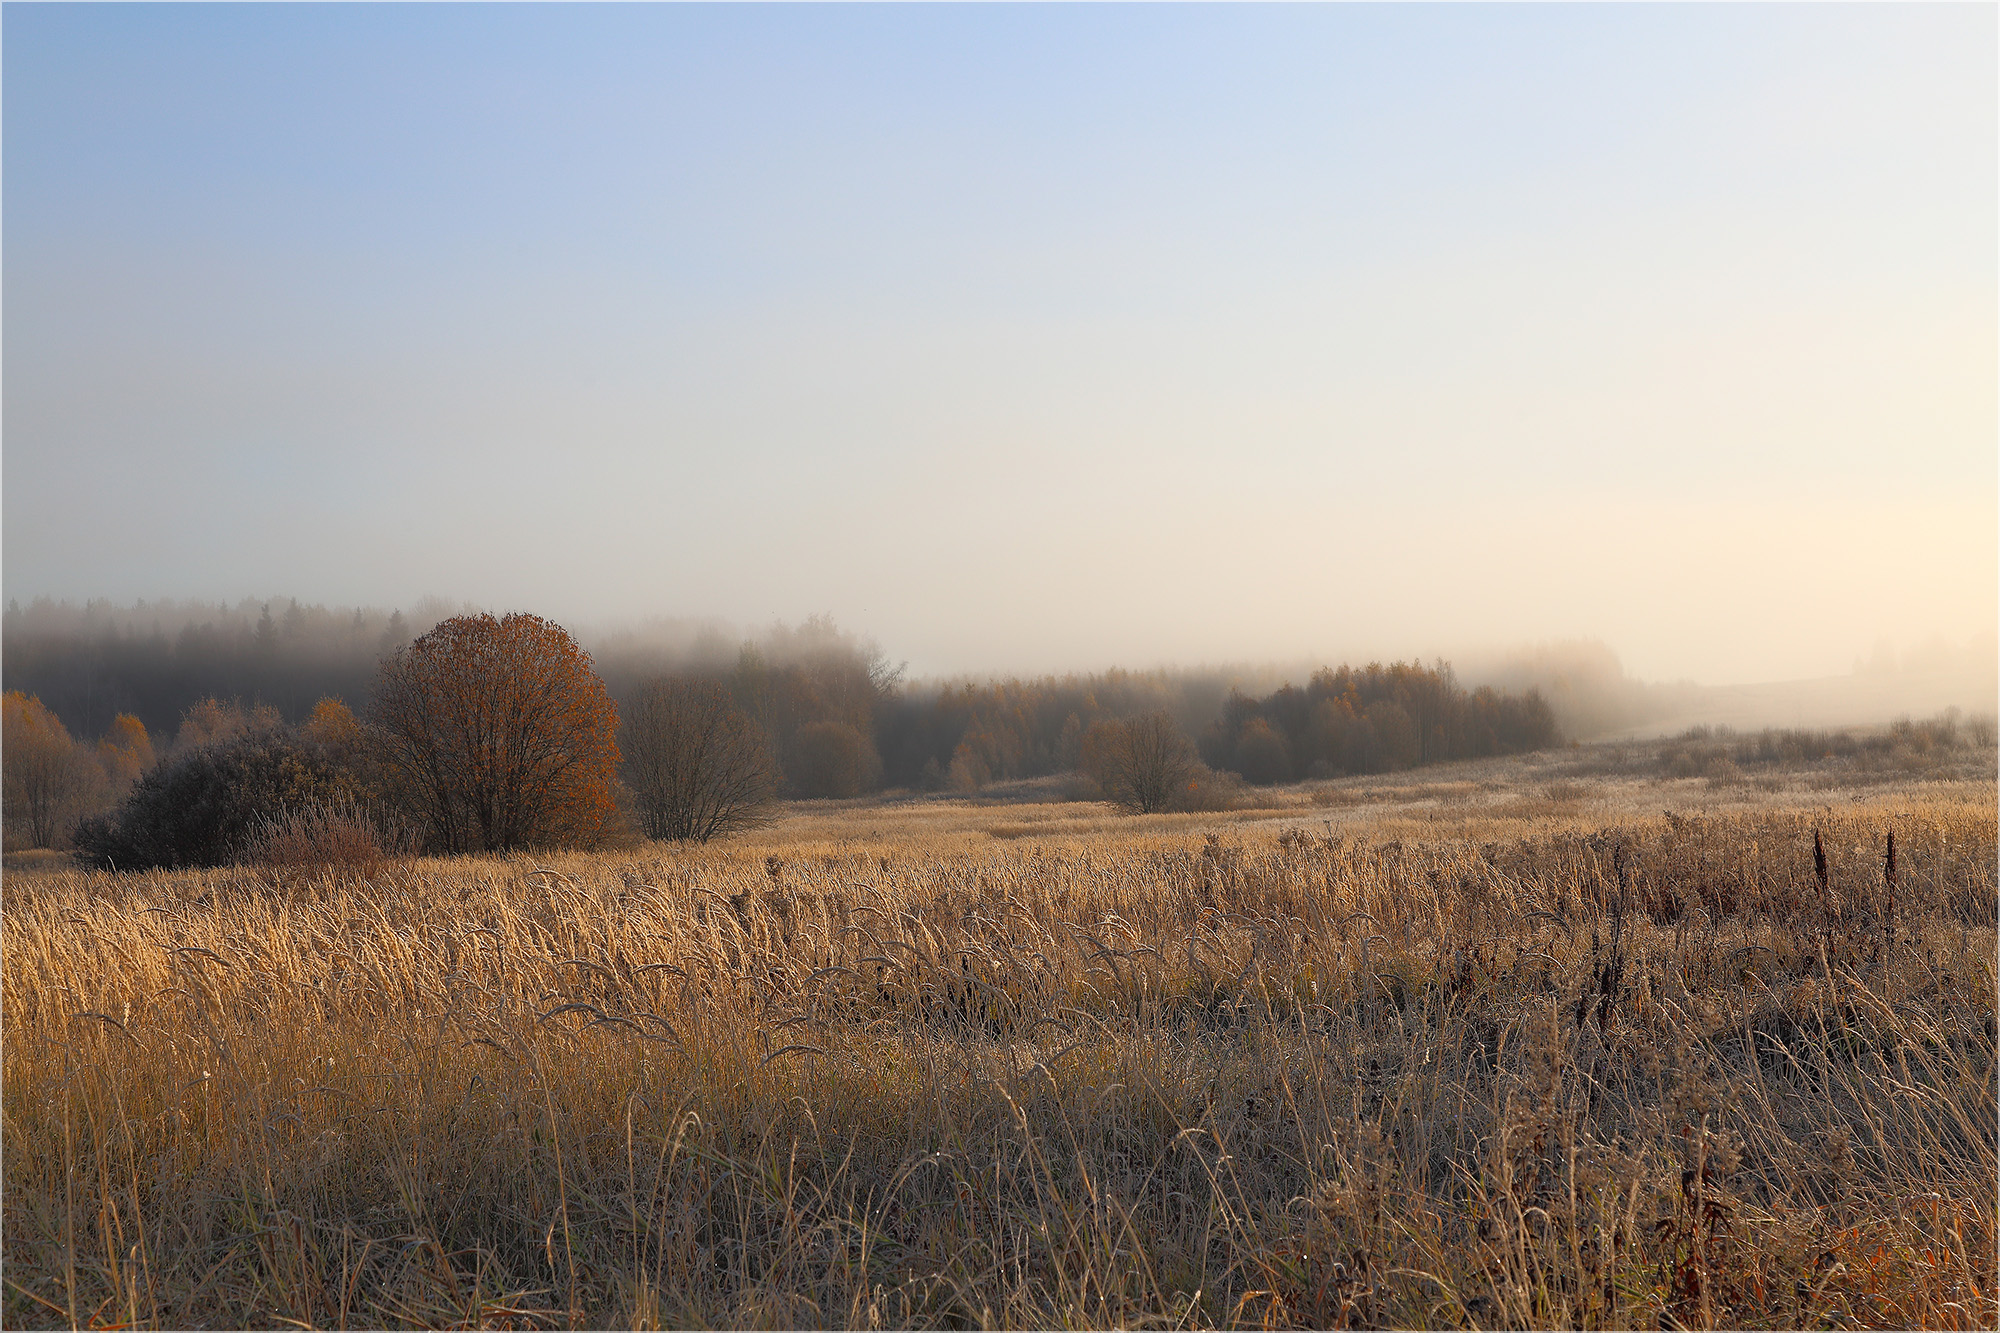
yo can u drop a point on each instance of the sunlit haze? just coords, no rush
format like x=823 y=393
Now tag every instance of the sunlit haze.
x=1023 y=338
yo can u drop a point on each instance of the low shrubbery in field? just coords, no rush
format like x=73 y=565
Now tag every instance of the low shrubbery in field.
x=340 y=837
x=206 y=805
x=1905 y=746
x=1673 y=1071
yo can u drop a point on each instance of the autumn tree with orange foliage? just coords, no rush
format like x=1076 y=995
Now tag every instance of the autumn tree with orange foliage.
x=47 y=780
x=333 y=727
x=499 y=734
x=125 y=752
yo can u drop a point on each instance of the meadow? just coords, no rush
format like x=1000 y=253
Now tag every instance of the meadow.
x=1559 y=1040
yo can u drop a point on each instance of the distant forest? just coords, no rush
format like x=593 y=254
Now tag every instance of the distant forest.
x=156 y=660
x=89 y=665
x=1373 y=720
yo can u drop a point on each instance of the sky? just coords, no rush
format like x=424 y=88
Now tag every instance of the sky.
x=1021 y=338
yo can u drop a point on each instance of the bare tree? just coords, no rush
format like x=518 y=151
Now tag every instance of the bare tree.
x=1142 y=763
x=696 y=764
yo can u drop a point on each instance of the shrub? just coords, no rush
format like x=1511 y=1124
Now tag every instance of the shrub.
x=206 y=805
x=1209 y=791
x=328 y=835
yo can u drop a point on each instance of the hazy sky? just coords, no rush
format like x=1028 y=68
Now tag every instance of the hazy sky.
x=1022 y=337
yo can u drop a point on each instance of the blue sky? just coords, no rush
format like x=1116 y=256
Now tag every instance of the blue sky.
x=1021 y=337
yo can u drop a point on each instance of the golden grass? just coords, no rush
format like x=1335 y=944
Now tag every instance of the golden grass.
x=1497 y=1048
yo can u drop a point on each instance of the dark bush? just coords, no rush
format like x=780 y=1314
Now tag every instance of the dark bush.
x=204 y=807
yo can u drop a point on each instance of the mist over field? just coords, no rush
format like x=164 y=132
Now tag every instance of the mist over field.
x=155 y=660
x=1030 y=341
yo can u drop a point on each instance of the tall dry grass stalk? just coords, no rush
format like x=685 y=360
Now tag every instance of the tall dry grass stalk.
x=336 y=838
x=1657 y=1073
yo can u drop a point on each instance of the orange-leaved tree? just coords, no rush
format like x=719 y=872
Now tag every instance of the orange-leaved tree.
x=124 y=753
x=499 y=734
x=48 y=781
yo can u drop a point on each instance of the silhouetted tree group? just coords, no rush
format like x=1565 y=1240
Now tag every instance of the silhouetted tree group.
x=1373 y=719
x=812 y=696
x=153 y=660
x=964 y=735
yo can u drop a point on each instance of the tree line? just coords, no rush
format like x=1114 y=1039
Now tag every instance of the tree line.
x=484 y=734
x=1372 y=719
x=153 y=661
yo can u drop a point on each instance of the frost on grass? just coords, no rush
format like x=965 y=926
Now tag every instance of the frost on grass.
x=1445 y=1064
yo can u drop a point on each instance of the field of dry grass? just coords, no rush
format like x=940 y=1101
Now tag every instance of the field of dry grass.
x=1542 y=1042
